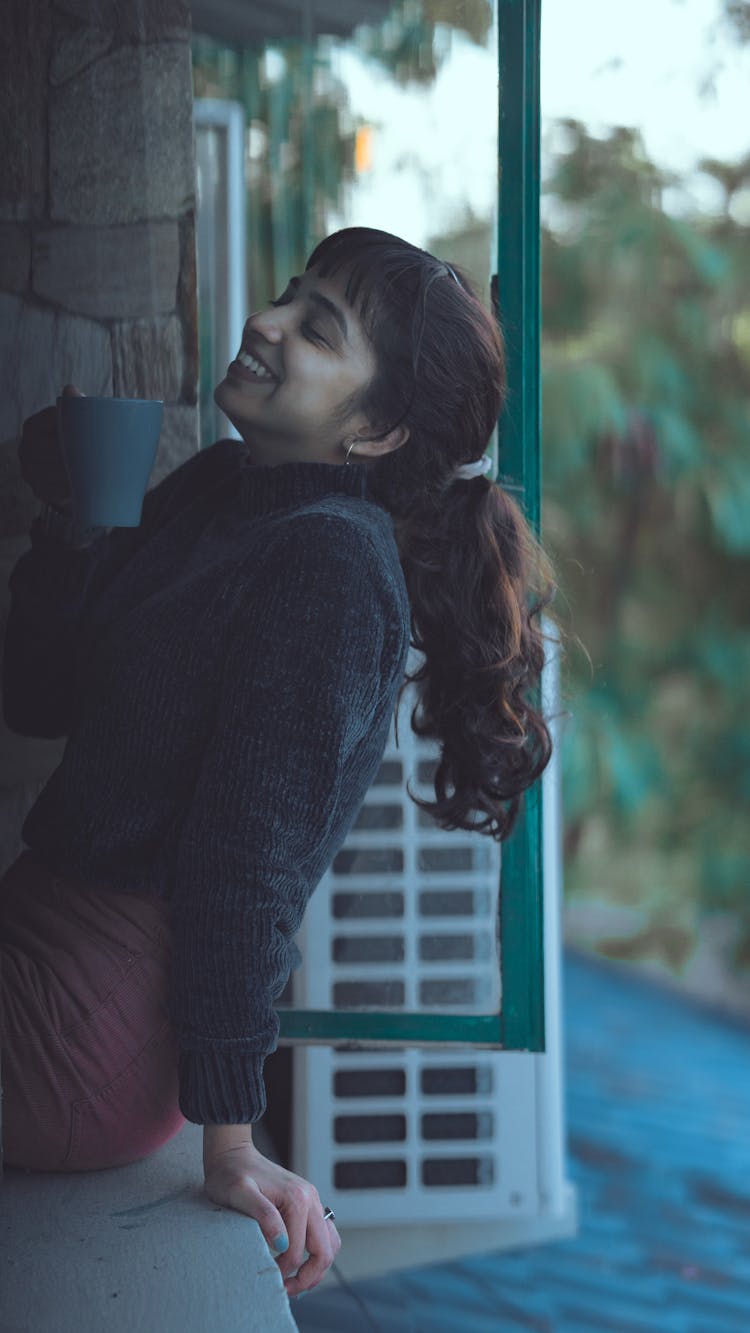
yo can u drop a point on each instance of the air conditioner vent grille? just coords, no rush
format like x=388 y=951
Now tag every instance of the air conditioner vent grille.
x=407 y=920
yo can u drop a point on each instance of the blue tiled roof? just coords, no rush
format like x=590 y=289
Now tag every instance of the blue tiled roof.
x=658 y=1124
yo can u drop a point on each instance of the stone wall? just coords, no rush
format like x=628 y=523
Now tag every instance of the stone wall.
x=97 y=254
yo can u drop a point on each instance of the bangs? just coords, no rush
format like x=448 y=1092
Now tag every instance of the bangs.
x=390 y=284
x=374 y=262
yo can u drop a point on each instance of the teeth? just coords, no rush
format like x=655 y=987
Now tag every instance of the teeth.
x=249 y=361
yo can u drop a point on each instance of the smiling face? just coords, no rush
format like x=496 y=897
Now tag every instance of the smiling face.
x=302 y=360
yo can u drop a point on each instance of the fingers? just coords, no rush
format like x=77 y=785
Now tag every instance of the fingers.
x=43 y=422
x=40 y=457
x=301 y=1224
x=323 y=1244
x=299 y=1200
x=268 y=1217
x=240 y=1191
x=286 y=1207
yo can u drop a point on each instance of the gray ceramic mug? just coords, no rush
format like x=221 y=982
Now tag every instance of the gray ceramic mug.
x=109 y=447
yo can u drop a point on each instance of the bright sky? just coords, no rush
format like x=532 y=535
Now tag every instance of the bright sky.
x=670 y=67
x=434 y=149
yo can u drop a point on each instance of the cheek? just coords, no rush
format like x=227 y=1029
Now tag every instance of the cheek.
x=326 y=386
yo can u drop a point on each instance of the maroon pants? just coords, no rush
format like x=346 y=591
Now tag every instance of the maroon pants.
x=88 y=1061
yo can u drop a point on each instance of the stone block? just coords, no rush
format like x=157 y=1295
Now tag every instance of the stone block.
x=76 y=49
x=108 y=272
x=15 y=258
x=40 y=351
x=178 y=440
x=147 y=360
x=134 y=21
x=24 y=58
x=121 y=138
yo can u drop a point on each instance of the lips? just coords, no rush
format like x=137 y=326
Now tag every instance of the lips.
x=250 y=367
x=251 y=350
x=236 y=370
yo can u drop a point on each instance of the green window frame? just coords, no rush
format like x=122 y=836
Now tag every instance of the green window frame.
x=520 y=1023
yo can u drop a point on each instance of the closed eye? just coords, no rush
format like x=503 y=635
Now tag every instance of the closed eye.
x=313 y=335
x=308 y=331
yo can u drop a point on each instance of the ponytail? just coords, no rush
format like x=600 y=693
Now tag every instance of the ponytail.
x=477 y=580
x=477 y=577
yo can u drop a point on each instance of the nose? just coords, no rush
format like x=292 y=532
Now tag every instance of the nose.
x=269 y=323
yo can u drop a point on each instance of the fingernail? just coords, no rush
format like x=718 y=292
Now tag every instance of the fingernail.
x=281 y=1243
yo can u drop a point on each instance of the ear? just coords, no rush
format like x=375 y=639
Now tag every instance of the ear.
x=365 y=448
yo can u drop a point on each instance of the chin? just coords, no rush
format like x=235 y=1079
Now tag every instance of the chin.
x=225 y=397
x=223 y=392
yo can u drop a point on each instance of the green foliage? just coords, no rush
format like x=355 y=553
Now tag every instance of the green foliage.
x=302 y=132
x=415 y=38
x=300 y=148
x=646 y=457
x=646 y=465
x=738 y=14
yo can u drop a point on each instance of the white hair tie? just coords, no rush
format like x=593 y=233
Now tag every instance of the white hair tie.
x=477 y=469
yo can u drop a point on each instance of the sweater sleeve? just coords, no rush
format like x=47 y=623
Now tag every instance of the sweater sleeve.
x=312 y=659
x=52 y=588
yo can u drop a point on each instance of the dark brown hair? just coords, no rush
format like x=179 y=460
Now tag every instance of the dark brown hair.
x=477 y=577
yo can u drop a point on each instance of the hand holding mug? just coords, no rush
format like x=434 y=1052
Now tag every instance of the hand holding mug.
x=92 y=456
x=41 y=457
x=109 y=449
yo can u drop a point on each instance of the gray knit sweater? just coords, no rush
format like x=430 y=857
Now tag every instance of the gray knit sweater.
x=225 y=675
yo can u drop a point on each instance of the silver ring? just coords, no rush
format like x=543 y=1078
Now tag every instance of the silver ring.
x=329 y=1215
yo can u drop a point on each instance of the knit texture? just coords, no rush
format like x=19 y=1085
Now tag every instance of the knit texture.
x=225 y=675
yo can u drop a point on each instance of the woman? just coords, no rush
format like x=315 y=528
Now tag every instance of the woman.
x=226 y=675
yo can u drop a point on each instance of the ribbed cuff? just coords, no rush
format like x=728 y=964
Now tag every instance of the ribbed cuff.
x=221 y=1088
x=61 y=569
x=63 y=527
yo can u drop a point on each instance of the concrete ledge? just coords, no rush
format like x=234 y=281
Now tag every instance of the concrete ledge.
x=132 y=1250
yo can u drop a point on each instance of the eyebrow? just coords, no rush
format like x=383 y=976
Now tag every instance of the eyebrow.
x=328 y=306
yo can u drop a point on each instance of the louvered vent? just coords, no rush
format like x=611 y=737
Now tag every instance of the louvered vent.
x=406 y=919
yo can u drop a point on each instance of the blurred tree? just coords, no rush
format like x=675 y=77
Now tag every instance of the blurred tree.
x=646 y=449
x=738 y=15
x=301 y=133
x=416 y=37
x=299 y=148
x=646 y=426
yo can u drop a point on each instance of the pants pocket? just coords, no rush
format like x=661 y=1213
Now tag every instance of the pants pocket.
x=133 y=1115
